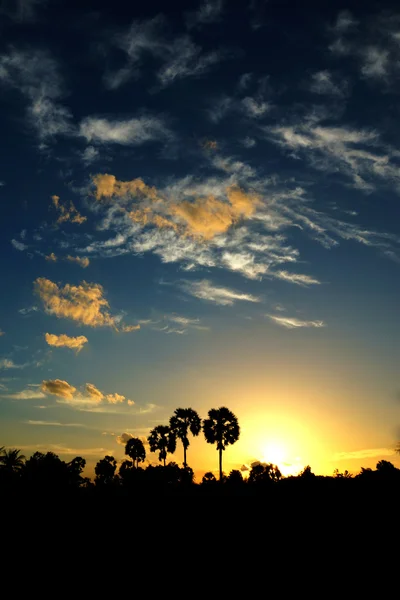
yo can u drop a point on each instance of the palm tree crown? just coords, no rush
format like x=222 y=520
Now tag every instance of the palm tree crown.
x=135 y=450
x=11 y=460
x=183 y=421
x=221 y=428
x=161 y=438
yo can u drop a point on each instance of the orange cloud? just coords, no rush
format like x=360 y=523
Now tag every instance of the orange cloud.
x=64 y=341
x=81 y=261
x=51 y=257
x=82 y=303
x=210 y=144
x=107 y=186
x=129 y=328
x=67 y=213
x=58 y=387
x=115 y=398
x=93 y=392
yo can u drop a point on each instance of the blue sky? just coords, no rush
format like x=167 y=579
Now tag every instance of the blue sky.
x=199 y=207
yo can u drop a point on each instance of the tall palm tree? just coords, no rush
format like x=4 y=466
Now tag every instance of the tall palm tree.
x=161 y=438
x=12 y=461
x=183 y=421
x=135 y=450
x=221 y=428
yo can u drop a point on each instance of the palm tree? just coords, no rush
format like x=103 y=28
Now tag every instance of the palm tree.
x=183 y=421
x=161 y=438
x=222 y=428
x=135 y=450
x=11 y=460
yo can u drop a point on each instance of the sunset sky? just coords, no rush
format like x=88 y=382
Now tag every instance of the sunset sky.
x=199 y=206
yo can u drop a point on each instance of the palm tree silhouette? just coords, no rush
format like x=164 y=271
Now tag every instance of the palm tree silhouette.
x=11 y=460
x=135 y=450
x=161 y=438
x=222 y=428
x=183 y=421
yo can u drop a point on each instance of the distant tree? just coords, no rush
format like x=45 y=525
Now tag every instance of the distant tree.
x=345 y=475
x=307 y=473
x=163 y=440
x=264 y=473
x=11 y=461
x=75 y=469
x=105 y=470
x=208 y=478
x=221 y=428
x=135 y=450
x=45 y=471
x=183 y=421
x=235 y=477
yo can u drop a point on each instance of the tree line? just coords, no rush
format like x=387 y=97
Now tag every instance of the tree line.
x=46 y=471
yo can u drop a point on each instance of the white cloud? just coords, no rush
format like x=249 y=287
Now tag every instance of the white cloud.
x=19 y=245
x=35 y=74
x=180 y=57
x=296 y=278
x=131 y=132
x=28 y=394
x=323 y=82
x=255 y=108
x=294 y=323
x=28 y=310
x=205 y=290
x=375 y=62
x=209 y=11
x=8 y=363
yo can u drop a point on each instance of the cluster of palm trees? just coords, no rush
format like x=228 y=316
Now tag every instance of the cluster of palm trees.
x=221 y=428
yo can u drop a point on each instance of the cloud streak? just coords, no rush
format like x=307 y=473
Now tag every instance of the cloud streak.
x=294 y=323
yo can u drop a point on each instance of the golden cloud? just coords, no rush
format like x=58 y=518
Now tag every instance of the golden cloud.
x=93 y=392
x=64 y=341
x=81 y=261
x=210 y=145
x=51 y=257
x=83 y=303
x=58 y=387
x=107 y=186
x=115 y=398
x=67 y=213
x=129 y=328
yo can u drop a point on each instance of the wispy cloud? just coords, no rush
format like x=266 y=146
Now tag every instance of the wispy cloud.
x=28 y=310
x=67 y=212
x=35 y=74
x=294 y=323
x=323 y=82
x=368 y=453
x=89 y=399
x=22 y=10
x=55 y=424
x=27 y=394
x=131 y=132
x=8 y=363
x=209 y=11
x=19 y=245
x=205 y=290
x=180 y=57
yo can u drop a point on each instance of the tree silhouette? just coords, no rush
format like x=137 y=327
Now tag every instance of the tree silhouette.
x=135 y=450
x=221 y=428
x=183 y=421
x=163 y=440
x=12 y=461
x=235 y=478
x=208 y=478
x=105 y=470
x=264 y=473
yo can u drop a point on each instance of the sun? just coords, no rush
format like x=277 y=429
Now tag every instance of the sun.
x=275 y=453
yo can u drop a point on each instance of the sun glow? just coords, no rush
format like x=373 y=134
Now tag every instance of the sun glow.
x=275 y=453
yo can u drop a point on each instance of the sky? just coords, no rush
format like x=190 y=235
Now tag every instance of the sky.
x=199 y=206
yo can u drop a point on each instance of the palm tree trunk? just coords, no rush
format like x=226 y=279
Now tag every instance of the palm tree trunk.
x=164 y=460
x=184 y=456
x=220 y=464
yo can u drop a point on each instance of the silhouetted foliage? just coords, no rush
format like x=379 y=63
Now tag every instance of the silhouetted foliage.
x=163 y=441
x=135 y=450
x=235 y=478
x=221 y=428
x=105 y=471
x=183 y=421
x=208 y=478
x=307 y=473
x=264 y=474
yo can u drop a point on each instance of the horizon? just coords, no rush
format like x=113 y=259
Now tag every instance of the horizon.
x=200 y=208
